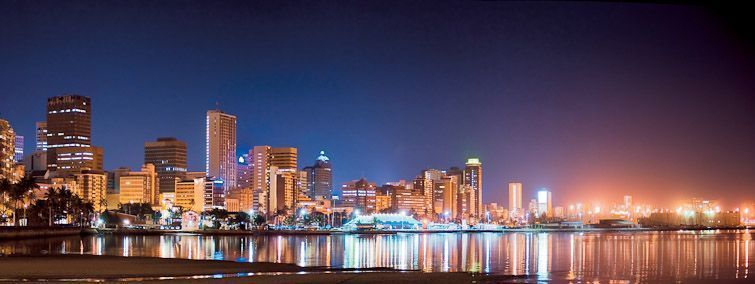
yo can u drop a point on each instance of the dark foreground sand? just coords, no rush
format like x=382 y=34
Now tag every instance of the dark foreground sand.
x=165 y=270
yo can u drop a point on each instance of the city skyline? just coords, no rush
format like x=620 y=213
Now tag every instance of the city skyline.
x=584 y=118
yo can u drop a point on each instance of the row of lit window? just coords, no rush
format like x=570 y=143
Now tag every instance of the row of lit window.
x=67 y=110
x=75 y=158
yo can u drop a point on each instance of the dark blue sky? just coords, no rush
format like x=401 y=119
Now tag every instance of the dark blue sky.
x=592 y=100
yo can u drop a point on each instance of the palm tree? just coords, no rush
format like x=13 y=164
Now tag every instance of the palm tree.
x=52 y=198
x=5 y=188
x=23 y=191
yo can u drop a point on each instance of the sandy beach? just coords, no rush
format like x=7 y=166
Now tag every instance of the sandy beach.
x=79 y=268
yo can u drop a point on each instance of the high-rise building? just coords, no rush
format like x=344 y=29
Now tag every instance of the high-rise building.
x=266 y=163
x=359 y=194
x=92 y=186
x=285 y=158
x=544 y=203
x=320 y=178
x=410 y=201
x=69 y=136
x=190 y=194
x=282 y=190
x=18 y=155
x=168 y=154
x=41 y=134
x=515 y=199
x=465 y=202
x=259 y=158
x=140 y=187
x=303 y=188
x=473 y=178
x=244 y=172
x=425 y=184
x=444 y=196
x=7 y=149
x=220 y=145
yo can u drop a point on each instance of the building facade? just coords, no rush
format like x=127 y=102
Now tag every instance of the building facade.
x=473 y=178
x=515 y=199
x=140 y=187
x=69 y=145
x=359 y=194
x=220 y=159
x=7 y=149
x=168 y=154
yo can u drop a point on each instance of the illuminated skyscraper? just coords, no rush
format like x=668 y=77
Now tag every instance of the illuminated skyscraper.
x=7 y=149
x=168 y=154
x=41 y=131
x=267 y=163
x=515 y=199
x=544 y=203
x=259 y=158
x=320 y=178
x=473 y=178
x=359 y=194
x=18 y=155
x=425 y=184
x=69 y=144
x=244 y=172
x=220 y=146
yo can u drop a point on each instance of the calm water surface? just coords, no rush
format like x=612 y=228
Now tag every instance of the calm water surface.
x=582 y=256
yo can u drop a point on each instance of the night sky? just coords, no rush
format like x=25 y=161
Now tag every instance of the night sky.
x=592 y=100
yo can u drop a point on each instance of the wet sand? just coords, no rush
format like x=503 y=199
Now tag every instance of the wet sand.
x=117 y=269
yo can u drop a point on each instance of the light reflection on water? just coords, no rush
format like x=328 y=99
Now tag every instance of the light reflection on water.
x=632 y=256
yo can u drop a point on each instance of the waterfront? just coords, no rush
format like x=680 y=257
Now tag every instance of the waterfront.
x=646 y=255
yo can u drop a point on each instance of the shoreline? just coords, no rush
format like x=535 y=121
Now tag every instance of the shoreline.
x=78 y=268
x=11 y=233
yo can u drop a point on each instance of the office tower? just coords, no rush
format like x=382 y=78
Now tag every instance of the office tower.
x=214 y=194
x=425 y=184
x=243 y=198
x=473 y=178
x=359 y=194
x=408 y=200
x=220 y=145
x=383 y=197
x=320 y=178
x=515 y=199
x=18 y=155
x=259 y=158
x=69 y=148
x=282 y=190
x=190 y=194
x=266 y=163
x=444 y=196
x=244 y=172
x=41 y=131
x=7 y=149
x=285 y=158
x=140 y=187
x=465 y=202
x=544 y=203
x=168 y=154
x=92 y=187
x=303 y=188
